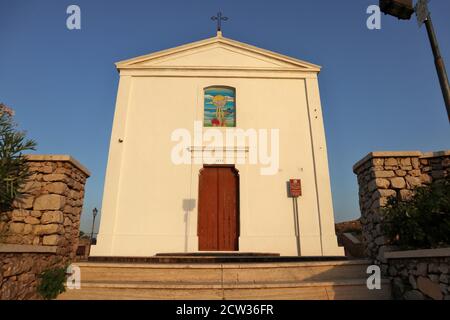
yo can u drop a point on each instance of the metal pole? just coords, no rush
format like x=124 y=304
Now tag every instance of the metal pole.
x=439 y=62
x=297 y=226
x=92 y=231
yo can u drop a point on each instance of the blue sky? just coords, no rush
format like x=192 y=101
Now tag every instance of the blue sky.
x=379 y=88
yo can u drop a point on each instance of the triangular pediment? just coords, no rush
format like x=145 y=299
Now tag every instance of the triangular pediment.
x=217 y=53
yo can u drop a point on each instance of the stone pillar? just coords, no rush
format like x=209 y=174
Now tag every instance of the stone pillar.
x=42 y=230
x=385 y=174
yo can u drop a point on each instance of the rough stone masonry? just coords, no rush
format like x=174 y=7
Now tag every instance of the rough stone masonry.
x=41 y=231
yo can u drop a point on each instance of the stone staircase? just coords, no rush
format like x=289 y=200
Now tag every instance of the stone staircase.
x=324 y=280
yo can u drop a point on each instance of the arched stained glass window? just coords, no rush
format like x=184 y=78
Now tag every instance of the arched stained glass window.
x=219 y=107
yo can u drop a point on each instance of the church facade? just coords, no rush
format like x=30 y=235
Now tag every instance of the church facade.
x=205 y=139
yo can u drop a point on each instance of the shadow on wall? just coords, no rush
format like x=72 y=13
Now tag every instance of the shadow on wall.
x=188 y=205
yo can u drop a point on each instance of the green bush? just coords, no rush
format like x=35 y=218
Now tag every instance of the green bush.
x=421 y=222
x=51 y=283
x=14 y=171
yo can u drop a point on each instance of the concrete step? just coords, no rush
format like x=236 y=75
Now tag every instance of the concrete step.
x=212 y=258
x=351 y=289
x=225 y=273
x=217 y=254
x=344 y=279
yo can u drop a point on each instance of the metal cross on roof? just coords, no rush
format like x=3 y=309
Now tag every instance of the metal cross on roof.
x=219 y=19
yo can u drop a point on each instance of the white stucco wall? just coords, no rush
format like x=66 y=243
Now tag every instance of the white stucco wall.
x=143 y=213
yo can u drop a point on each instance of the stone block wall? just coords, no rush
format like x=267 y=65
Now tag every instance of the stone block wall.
x=43 y=226
x=420 y=274
x=20 y=270
x=385 y=174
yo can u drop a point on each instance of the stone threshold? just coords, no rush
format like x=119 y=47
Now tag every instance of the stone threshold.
x=22 y=248
x=422 y=253
x=217 y=254
x=213 y=259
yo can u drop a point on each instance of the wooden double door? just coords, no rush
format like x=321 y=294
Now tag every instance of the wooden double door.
x=218 y=209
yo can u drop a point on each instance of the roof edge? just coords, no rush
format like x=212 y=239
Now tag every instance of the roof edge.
x=218 y=39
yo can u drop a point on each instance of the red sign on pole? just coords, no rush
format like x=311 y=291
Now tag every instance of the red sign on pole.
x=295 y=188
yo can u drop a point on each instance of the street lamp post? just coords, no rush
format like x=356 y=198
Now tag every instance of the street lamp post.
x=94 y=214
x=439 y=62
x=403 y=9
